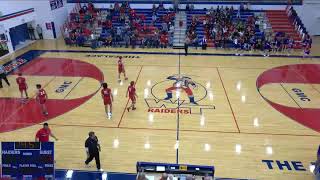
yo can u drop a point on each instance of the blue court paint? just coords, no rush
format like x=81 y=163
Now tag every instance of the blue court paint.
x=297 y=165
x=268 y=163
x=285 y=165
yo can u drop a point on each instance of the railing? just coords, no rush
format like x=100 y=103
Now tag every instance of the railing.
x=16 y=14
x=256 y=2
x=299 y=26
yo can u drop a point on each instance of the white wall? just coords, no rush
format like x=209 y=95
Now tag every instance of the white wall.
x=59 y=17
x=310 y=16
x=42 y=14
x=9 y=23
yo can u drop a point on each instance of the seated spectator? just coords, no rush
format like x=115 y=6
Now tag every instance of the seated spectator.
x=154 y=18
x=164 y=176
x=85 y=8
x=190 y=177
x=187 y=7
x=163 y=40
x=108 y=41
x=161 y=7
x=164 y=26
x=154 y=8
x=191 y=7
x=116 y=7
x=141 y=176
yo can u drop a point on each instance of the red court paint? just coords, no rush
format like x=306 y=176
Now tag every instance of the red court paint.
x=296 y=73
x=15 y=115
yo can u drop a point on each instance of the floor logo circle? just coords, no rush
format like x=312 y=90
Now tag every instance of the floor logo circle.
x=178 y=94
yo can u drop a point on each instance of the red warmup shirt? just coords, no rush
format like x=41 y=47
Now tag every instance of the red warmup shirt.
x=43 y=135
x=106 y=93
x=132 y=91
x=21 y=81
x=42 y=94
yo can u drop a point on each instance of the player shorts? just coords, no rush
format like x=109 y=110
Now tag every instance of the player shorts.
x=107 y=102
x=42 y=101
x=22 y=88
x=132 y=98
x=121 y=70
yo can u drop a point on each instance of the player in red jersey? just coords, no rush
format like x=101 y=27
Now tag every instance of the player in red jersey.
x=107 y=99
x=121 y=69
x=21 y=81
x=132 y=96
x=42 y=98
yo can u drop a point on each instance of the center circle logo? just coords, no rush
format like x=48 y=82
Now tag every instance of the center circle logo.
x=179 y=87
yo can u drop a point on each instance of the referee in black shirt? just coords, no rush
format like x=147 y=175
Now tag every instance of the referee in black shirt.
x=93 y=149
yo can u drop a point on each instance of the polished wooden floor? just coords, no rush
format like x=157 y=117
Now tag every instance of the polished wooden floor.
x=235 y=136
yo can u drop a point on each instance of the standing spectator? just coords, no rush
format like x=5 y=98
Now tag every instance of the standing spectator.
x=204 y=43
x=186 y=45
x=92 y=148
x=39 y=31
x=154 y=18
x=31 y=32
x=44 y=133
x=3 y=75
x=127 y=40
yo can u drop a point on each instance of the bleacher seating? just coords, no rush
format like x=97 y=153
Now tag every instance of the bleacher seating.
x=280 y=22
x=201 y=15
x=154 y=27
x=112 y=26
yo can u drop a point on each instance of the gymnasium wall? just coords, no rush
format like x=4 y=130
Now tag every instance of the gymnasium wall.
x=42 y=15
x=310 y=15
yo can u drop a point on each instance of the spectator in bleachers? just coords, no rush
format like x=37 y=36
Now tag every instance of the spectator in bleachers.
x=127 y=39
x=191 y=7
x=163 y=40
x=133 y=24
x=141 y=176
x=83 y=9
x=190 y=177
x=154 y=8
x=108 y=42
x=118 y=36
x=187 y=7
x=154 y=18
x=204 y=43
x=164 y=176
x=161 y=7
x=186 y=45
x=207 y=177
x=164 y=26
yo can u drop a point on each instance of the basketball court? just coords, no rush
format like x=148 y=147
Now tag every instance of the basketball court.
x=255 y=117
